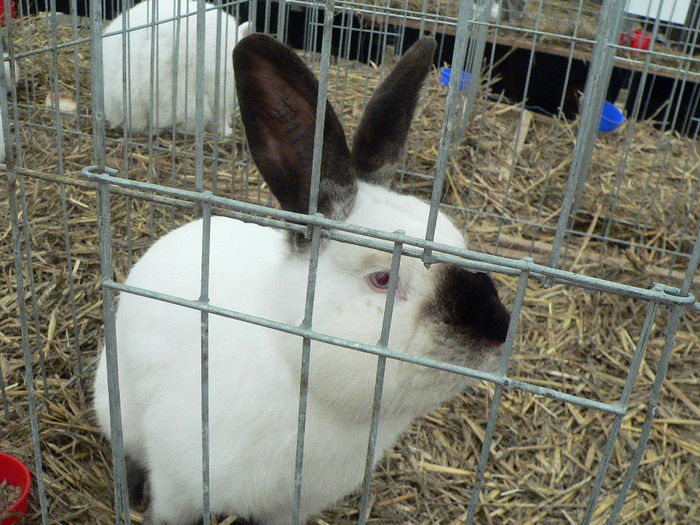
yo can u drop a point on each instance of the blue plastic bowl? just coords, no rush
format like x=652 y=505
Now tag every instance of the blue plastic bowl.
x=445 y=78
x=611 y=117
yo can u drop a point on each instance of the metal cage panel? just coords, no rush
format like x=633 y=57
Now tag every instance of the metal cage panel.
x=593 y=238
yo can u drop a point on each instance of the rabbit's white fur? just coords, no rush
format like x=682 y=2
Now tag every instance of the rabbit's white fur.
x=254 y=372
x=139 y=80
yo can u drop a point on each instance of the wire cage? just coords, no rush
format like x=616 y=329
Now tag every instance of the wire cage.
x=592 y=238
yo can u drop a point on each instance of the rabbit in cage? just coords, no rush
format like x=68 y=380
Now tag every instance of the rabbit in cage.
x=443 y=312
x=173 y=81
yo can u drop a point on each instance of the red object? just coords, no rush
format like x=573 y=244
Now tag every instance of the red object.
x=640 y=39
x=2 y=10
x=14 y=471
x=624 y=39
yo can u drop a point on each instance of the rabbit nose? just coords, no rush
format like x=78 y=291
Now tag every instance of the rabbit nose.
x=470 y=300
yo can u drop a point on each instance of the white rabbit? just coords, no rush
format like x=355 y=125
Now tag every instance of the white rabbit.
x=139 y=77
x=444 y=312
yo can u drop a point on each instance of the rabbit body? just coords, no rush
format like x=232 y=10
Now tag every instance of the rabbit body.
x=443 y=312
x=174 y=69
x=254 y=372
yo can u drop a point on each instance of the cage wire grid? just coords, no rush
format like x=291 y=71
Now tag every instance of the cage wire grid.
x=464 y=116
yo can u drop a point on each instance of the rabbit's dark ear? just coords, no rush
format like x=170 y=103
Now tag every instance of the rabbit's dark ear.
x=381 y=135
x=277 y=96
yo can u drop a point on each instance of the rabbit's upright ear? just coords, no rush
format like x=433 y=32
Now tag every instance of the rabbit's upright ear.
x=381 y=134
x=277 y=96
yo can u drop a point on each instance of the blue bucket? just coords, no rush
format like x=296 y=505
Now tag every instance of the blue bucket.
x=611 y=117
x=445 y=78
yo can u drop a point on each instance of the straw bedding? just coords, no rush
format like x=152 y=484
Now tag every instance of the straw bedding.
x=545 y=453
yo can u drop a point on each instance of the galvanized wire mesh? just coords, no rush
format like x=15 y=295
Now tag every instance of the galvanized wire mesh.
x=636 y=206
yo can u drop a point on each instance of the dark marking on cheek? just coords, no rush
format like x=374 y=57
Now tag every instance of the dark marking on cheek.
x=468 y=302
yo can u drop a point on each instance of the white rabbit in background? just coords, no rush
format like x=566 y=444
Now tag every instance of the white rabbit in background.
x=139 y=77
x=444 y=312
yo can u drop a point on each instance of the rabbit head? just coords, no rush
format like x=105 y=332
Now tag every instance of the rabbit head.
x=443 y=312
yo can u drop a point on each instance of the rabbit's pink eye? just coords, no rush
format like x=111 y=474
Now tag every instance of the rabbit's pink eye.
x=379 y=280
